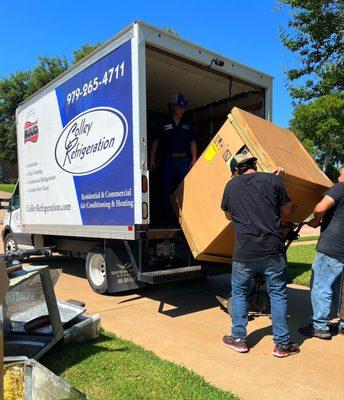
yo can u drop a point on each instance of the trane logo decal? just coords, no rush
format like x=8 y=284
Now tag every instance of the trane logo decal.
x=31 y=131
x=91 y=140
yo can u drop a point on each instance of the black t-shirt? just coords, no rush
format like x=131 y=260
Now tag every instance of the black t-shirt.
x=254 y=202
x=331 y=239
x=175 y=138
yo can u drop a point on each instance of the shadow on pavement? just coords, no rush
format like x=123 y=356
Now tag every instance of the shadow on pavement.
x=175 y=298
x=299 y=312
x=187 y=297
x=70 y=266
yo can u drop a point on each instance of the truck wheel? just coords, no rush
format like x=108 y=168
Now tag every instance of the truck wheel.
x=96 y=269
x=10 y=243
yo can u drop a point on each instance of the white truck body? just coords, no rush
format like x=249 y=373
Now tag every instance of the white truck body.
x=83 y=144
x=82 y=139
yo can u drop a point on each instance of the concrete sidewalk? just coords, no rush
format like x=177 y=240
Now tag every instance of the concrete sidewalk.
x=182 y=322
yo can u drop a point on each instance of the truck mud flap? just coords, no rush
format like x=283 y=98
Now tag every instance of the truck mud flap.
x=121 y=274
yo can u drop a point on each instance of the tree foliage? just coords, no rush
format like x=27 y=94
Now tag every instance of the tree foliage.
x=315 y=33
x=319 y=125
x=84 y=51
x=19 y=86
x=15 y=89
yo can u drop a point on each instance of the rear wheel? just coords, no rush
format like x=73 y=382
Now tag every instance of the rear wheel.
x=96 y=270
x=10 y=243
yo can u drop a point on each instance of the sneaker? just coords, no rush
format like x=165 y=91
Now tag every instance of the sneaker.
x=238 y=345
x=310 y=331
x=340 y=330
x=285 y=350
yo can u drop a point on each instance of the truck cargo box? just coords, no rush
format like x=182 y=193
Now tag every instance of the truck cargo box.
x=197 y=200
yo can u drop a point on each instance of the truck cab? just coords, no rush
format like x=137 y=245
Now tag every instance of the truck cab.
x=12 y=234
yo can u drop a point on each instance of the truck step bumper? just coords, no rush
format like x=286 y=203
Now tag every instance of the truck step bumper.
x=170 y=275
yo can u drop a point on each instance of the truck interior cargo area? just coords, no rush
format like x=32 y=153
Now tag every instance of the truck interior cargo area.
x=211 y=95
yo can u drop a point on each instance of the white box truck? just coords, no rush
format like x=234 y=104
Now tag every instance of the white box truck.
x=83 y=143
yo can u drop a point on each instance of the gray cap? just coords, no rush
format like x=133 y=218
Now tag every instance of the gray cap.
x=239 y=159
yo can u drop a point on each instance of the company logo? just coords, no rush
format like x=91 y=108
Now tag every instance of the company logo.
x=91 y=140
x=31 y=131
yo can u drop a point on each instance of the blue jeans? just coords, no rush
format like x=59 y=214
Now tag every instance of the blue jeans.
x=274 y=269
x=326 y=275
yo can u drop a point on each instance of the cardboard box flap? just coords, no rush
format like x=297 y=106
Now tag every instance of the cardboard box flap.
x=275 y=146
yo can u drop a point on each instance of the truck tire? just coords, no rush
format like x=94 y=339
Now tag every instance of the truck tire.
x=96 y=269
x=109 y=271
x=10 y=243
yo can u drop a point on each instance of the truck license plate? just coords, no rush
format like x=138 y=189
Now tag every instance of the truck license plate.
x=165 y=249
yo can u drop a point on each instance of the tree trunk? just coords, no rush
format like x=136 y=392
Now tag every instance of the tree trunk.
x=327 y=158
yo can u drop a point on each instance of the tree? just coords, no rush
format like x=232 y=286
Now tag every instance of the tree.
x=319 y=125
x=316 y=35
x=170 y=30
x=84 y=51
x=21 y=85
x=15 y=89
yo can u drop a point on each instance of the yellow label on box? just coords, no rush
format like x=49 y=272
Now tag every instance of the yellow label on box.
x=210 y=152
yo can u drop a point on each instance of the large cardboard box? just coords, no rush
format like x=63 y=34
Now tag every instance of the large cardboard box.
x=197 y=200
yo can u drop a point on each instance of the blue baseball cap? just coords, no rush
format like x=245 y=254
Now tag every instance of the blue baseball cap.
x=178 y=99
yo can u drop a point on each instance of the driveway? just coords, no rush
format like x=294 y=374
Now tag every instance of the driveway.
x=182 y=322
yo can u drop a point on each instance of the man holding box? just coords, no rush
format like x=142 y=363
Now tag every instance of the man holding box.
x=328 y=265
x=254 y=202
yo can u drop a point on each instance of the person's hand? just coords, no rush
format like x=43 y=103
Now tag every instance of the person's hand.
x=192 y=163
x=279 y=171
x=313 y=223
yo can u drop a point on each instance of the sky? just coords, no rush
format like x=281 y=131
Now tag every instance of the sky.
x=246 y=31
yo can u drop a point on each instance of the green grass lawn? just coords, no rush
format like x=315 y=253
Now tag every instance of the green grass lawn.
x=307 y=238
x=6 y=187
x=300 y=260
x=115 y=369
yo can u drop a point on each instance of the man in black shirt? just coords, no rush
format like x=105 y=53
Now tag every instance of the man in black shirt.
x=254 y=202
x=177 y=140
x=328 y=265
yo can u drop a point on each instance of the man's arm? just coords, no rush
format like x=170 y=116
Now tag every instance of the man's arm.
x=284 y=199
x=225 y=203
x=193 y=151
x=154 y=149
x=320 y=210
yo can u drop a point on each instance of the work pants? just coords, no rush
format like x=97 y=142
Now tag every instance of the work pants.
x=173 y=171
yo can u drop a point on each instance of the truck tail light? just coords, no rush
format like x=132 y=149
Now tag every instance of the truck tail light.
x=144 y=184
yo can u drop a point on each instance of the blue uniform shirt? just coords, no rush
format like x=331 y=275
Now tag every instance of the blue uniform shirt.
x=176 y=138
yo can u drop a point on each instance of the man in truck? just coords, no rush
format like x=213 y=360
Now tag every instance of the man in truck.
x=254 y=202
x=328 y=265
x=177 y=140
